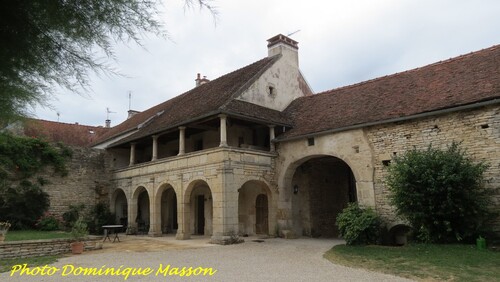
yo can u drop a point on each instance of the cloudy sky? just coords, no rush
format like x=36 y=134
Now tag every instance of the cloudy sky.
x=341 y=42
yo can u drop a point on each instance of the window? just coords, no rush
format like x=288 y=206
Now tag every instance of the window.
x=310 y=141
x=271 y=90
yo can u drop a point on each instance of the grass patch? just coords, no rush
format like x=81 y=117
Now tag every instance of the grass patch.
x=422 y=261
x=6 y=264
x=20 y=235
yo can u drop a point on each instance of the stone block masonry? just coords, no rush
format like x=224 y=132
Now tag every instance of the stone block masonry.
x=87 y=181
x=477 y=130
x=37 y=248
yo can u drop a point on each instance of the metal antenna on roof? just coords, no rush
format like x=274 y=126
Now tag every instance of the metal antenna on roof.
x=108 y=111
x=129 y=100
x=290 y=34
x=58 y=114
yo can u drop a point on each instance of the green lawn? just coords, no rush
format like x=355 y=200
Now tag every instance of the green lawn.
x=422 y=262
x=19 y=235
x=6 y=264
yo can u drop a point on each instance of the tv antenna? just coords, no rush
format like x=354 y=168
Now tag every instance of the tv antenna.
x=290 y=34
x=129 y=100
x=58 y=115
x=108 y=111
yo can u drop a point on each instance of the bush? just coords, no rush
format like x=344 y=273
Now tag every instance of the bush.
x=72 y=215
x=48 y=222
x=440 y=193
x=23 y=204
x=99 y=216
x=358 y=225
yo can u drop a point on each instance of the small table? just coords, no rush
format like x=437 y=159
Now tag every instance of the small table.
x=111 y=229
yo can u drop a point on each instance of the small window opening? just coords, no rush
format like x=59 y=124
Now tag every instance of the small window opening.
x=310 y=141
x=386 y=162
x=484 y=126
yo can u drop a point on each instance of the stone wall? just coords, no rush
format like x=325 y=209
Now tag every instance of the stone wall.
x=87 y=181
x=478 y=131
x=37 y=248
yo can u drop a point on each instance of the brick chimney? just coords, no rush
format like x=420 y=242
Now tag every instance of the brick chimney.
x=199 y=81
x=287 y=47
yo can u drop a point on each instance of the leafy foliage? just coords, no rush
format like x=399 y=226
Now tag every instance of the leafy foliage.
x=99 y=216
x=79 y=229
x=47 y=43
x=22 y=199
x=48 y=222
x=23 y=204
x=72 y=215
x=440 y=193
x=358 y=225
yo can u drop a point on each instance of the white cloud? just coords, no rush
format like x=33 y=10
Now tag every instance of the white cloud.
x=340 y=43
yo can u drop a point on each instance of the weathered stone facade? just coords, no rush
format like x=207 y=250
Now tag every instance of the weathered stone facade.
x=49 y=247
x=87 y=182
x=478 y=131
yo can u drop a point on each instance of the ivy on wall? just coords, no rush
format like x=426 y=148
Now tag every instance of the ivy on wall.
x=22 y=200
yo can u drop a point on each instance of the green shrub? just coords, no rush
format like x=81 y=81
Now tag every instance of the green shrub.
x=48 y=222
x=72 y=215
x=440 y=193
x=23 y=204
x=358 y=225
x=99 y=216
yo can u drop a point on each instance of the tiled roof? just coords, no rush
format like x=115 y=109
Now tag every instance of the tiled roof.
x=463 y=80
x=202 y=101
x=66 y=133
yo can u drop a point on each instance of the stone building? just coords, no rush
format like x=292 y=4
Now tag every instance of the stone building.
x=255 y=152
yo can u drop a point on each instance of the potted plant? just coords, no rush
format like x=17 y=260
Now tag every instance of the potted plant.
x=78 y=233
x=4 y=227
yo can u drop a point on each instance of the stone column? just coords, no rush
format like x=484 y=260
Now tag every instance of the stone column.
x=183 y=214
x=182 y=140
x=132 y=154
x=223 y=131
x=131 y=215
x=272 y=148
x=155 y=148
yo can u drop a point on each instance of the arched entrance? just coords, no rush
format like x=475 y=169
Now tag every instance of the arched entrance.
x=321 y=188
x=253 y=208
x=119 y=206
x=169 y=211
x=201 y=208
x=142 y=218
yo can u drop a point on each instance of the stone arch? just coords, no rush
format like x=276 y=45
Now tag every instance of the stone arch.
x=166 y=209
x=254 y=219
x=119 y=206
x=142 y=216
x=198 y=208
x=318 y=187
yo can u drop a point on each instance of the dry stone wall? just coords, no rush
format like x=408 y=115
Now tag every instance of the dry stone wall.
x=36 y=248
x=478 y=131
x=87 y=181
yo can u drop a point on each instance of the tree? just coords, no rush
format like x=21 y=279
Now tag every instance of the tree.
x=55 y=42
x=440 y=193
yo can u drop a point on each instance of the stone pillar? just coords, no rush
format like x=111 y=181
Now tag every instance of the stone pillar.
x=132 y=154
x=223 y=131
x=182 y=140
x=131 y=216
x=155 y=148
x=271 y=137
x=154 y=216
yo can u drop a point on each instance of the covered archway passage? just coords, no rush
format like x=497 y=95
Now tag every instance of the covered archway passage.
x=200 y=208
x=321 y=188
x=142 y=218
x=168 y=209
x=253 y=208
x=119 y=207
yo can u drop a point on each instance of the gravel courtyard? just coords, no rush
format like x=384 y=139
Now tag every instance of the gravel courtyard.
x=264 y=260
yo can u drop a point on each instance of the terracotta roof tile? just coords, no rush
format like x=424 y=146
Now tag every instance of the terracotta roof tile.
x=207 y=99
x=459 y=81
x=66 y=133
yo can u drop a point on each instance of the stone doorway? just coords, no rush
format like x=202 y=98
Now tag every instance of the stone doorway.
x=321 y=188
x=200 y=208
x=261 y=215
x=169 y=211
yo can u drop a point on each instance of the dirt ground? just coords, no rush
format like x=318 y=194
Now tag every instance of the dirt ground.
x=144 y=243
